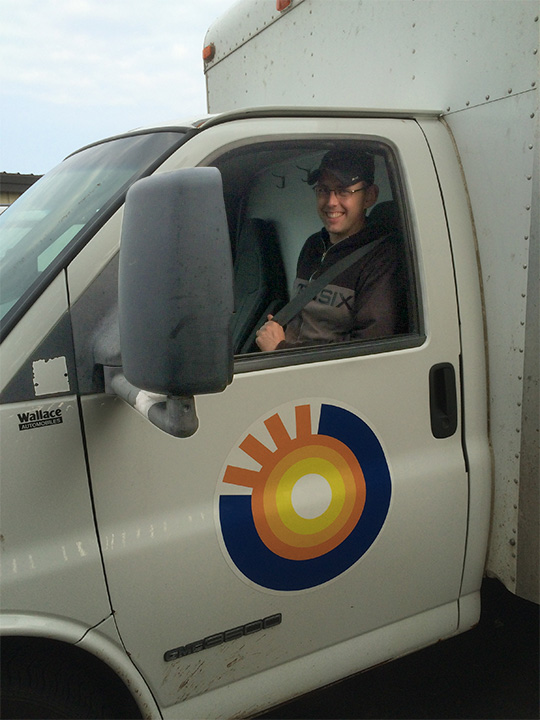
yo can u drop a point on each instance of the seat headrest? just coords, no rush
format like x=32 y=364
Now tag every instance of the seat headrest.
x=385 y=215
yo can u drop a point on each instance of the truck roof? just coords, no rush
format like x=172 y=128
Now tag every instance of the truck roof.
x=300 y=111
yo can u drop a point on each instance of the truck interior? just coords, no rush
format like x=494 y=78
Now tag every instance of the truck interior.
x=271 y=212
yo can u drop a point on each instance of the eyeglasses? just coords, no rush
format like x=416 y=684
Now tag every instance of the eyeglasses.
x=343 y=193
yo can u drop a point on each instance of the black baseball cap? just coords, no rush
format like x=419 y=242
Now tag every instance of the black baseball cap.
x=348 y=166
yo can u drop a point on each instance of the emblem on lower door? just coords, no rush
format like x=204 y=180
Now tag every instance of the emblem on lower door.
x=296 y=507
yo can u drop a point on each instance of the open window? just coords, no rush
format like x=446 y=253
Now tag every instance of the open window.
x=272 y=211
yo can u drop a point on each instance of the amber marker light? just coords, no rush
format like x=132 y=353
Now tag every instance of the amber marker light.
x=208 y=52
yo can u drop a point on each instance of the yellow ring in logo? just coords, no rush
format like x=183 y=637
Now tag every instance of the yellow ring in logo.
x=281 y=527
x=286 y=509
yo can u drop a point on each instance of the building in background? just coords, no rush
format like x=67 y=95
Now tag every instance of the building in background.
x=12 y=185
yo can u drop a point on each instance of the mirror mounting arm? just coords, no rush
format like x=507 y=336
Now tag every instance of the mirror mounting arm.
x=174 y=415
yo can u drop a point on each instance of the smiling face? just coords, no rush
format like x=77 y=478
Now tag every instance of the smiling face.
x=343 y=217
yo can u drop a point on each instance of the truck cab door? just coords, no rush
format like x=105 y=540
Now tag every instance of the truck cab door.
x=315 y=523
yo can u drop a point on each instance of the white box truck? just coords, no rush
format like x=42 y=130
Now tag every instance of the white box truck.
x=194 y=528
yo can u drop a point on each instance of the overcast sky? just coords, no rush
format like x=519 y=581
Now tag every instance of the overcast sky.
x=74 y=71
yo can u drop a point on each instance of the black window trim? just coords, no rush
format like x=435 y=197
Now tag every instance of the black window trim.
x=333 y=351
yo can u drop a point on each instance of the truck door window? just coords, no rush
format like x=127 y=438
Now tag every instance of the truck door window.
x=272 y=211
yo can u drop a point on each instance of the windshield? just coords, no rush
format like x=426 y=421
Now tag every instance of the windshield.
x=45 y=225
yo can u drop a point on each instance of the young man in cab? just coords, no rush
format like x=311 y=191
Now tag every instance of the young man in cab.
x=367 y=299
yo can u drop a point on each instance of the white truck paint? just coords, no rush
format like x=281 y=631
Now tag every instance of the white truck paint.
x=479 y=68
x=155 y=544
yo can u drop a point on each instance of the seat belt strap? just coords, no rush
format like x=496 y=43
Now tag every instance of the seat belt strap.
x=299 y=301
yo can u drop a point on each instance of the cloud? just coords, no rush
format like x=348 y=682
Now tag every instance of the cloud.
x=141 y=58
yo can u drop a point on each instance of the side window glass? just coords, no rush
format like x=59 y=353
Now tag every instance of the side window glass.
x=324 y=222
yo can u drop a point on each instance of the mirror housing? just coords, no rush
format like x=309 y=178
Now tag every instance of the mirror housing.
x=175 y=284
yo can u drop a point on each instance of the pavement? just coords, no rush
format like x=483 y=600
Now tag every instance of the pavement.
x=489 y=672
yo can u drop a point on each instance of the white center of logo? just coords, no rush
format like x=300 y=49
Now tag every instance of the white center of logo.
x=311 y=496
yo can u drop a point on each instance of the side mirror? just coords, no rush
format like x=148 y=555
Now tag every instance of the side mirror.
x=175 y=285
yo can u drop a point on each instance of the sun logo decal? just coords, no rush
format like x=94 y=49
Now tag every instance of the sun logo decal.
x=302 y=512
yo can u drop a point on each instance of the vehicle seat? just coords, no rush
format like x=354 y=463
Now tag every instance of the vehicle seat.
x=386 y=216
x=260 y=286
